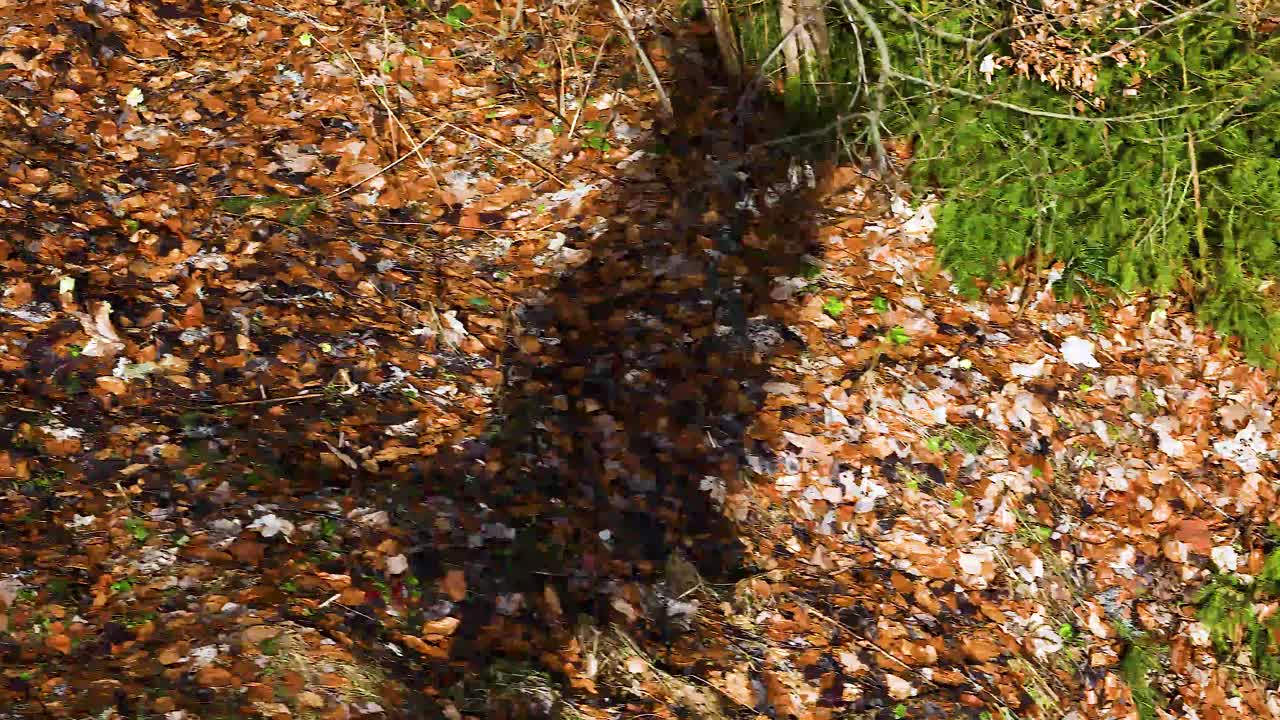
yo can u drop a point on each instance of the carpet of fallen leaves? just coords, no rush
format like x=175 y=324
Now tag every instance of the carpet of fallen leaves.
x=364 y=359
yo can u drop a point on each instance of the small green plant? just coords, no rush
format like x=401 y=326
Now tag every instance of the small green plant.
x=880 y=304
x=898 y=335
x=1141 y=658
x=457 y=16
x=957 y=499
x=972 y=439
x=1227 y=607
x=598 y=137
x=137 y=528
x=899 y=711
x=327 y=528
x=833 y=307
x=296 y=210
x=46 y=480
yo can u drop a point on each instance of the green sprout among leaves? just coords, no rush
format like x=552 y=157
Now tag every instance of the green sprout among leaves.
x=327 y=528
x=898 y=335
x=598 y=139
x=137 y=528
x=833 y=307
x=457 y=16
x=1227 y=607
x=880 y=304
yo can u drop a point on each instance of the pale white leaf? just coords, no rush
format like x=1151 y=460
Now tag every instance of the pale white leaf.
x=1079 y=352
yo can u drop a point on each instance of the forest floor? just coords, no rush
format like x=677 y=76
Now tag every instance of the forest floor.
x=362 y=359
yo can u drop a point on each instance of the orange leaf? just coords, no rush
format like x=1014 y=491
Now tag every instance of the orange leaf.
x=59 y=642
x=443 y=626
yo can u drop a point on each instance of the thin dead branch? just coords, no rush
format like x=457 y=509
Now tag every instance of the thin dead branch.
x=586 y=90
x=422 y=143
x=663 y=98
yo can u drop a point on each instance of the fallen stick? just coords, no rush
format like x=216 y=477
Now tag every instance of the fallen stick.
x=667 y=110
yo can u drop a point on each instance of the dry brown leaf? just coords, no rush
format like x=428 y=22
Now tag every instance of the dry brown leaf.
x=60 y=642
x=443 y=626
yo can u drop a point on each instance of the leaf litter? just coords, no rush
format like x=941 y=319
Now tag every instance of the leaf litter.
x=341 y=380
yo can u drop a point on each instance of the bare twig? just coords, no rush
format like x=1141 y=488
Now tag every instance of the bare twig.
x=586 y=90
x=559 y=78
x=520 y=156
x=270 y=401
x=941 y=34
x=1195 y=195
x=386 y=167
x=663 y=98
x=282 y=12
x=887 y=71
x=878 y=92
x=518 y=19
x=426 y=165
x=857 y=637
x=1165 y=113
x=1151 y=31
